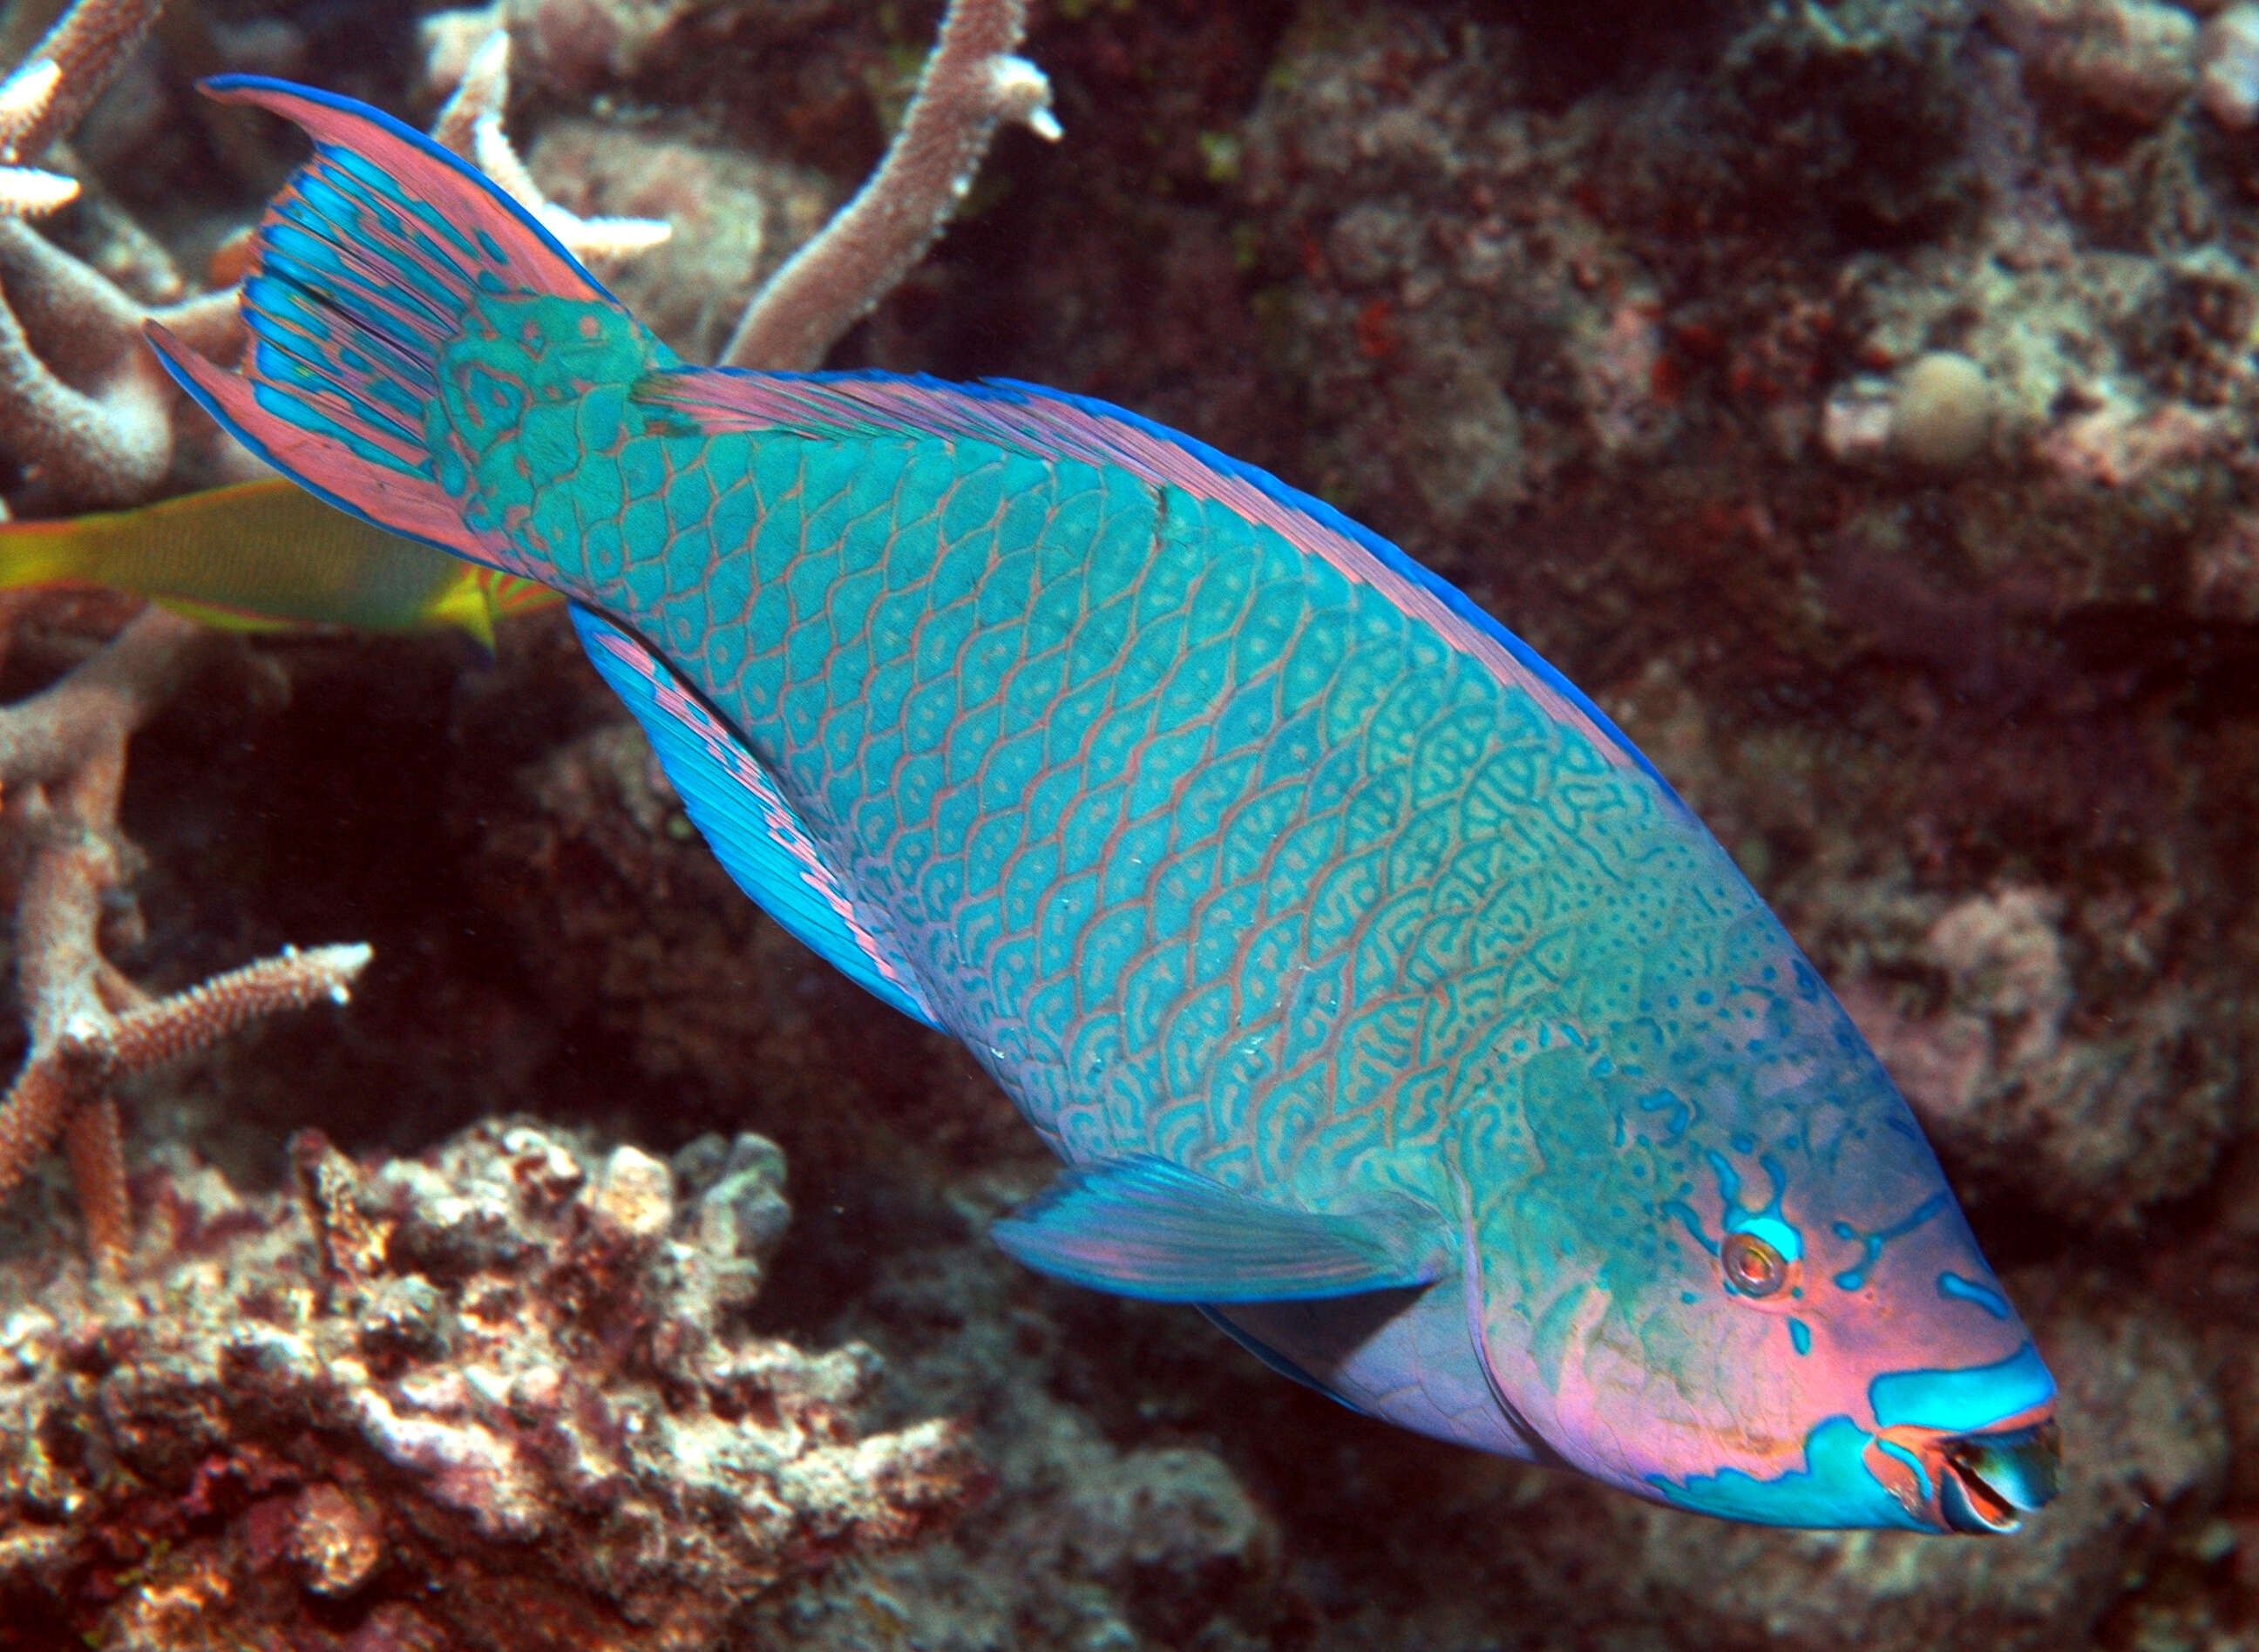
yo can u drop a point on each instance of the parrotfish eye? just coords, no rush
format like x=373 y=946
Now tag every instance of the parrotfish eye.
x=1753 y=1267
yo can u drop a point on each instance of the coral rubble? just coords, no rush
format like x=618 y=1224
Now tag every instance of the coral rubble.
x=498 y=1396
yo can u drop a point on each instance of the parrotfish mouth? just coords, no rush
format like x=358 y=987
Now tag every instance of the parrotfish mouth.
x=1983 y=1483
x=1990 y=1479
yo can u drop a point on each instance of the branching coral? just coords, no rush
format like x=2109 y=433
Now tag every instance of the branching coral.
x=471 y=125
x=72 y=65
x=971 y=84
x=90 y=419
x=62 y=766
x=88 y=415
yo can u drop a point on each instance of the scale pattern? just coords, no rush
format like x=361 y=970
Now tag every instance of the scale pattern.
x=1205 y=849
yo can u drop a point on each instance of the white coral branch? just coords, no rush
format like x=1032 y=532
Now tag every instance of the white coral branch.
x=87 y=410
x=73 y=64
x=62 y=768
x=971 y=84
x=29 y=192
x=470 y=125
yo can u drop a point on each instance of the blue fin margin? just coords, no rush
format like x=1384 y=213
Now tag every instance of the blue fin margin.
x=743 y=814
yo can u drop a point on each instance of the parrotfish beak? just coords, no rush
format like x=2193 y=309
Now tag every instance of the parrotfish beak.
x=1983 y=1483
x=1971 y=1449
x=1988 y=1482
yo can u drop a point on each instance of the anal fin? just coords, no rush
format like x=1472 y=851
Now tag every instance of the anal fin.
x=1144 y=1227
x=1270 y=1356
x=738 y=807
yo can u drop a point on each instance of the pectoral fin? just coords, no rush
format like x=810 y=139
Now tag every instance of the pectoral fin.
x=1144 y=1227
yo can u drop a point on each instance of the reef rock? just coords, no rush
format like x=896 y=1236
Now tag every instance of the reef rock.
x=2095 y=1126
x=497 y=1396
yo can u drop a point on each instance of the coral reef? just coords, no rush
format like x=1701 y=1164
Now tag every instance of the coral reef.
x=1854 y=528
x=2134 y=60
x=498 y=1396
x=62 y=761
x=1857 y=398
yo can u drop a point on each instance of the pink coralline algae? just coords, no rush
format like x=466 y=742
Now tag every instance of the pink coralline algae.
x=494 y=1397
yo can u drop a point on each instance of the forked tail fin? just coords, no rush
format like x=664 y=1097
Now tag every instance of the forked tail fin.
x=368 y=264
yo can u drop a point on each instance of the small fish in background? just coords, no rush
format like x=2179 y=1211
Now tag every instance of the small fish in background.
x=264 y=555
x=1383 y=1001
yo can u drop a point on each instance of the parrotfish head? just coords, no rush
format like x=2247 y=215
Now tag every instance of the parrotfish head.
x=1759 y=1299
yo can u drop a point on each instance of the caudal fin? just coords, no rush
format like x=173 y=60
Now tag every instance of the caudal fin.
x=365 y=266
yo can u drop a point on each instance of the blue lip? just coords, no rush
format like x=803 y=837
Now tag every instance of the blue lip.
x=2012 y=1472
x=1963 y=1401
x=1833 y=1490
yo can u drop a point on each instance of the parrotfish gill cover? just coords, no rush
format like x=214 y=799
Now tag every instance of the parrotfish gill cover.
x=1382 y=999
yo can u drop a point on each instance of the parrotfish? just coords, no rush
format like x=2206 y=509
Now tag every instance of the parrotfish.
x=1382 y=999
x=262 y=555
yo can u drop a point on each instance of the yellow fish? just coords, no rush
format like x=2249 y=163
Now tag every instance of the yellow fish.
x=263 y=555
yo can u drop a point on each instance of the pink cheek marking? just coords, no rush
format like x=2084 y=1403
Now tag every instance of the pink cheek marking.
x=1594 y=1435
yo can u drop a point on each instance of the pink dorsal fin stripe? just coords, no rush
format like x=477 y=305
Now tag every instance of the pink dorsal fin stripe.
x=1028 y=420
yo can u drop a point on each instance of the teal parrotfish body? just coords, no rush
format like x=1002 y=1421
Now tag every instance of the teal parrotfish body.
x=1381 y=998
